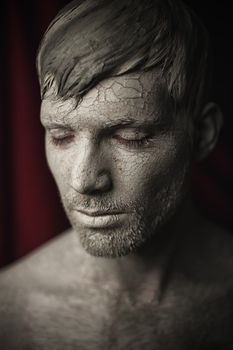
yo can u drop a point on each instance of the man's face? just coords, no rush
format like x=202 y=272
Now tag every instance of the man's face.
x=120 y=158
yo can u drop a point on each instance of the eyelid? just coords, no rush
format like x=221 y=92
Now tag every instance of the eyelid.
x=136 y=133
x=60 y=137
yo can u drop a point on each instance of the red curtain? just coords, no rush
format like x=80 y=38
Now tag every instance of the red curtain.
x=30 y=209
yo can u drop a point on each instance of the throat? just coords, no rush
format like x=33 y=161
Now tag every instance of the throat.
x=146 y=274
x=142 y=277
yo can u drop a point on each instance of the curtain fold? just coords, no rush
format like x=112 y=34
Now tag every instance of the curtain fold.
x=31 y=212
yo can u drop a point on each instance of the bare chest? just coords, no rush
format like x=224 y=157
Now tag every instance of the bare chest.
x=97 y=319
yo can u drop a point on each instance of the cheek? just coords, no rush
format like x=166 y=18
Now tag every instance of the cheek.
x=152 y=168
x=59 y=167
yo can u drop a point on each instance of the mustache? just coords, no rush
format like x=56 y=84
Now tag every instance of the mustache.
x=101 y=204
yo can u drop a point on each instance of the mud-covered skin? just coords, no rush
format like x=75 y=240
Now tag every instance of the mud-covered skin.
x=95 y=155
x=62 y=298
x=168 y=283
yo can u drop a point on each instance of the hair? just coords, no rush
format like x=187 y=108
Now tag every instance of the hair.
x=91 y=40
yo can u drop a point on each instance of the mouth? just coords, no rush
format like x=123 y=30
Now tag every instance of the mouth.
x=99 y=219
x=99 y=212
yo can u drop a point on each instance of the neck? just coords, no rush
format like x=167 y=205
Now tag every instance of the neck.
x=146 y=273
x=149 y=268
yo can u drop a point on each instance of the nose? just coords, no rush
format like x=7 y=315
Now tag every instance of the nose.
x=89 y=172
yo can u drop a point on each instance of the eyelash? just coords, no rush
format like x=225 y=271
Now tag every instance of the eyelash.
x=65 y=140
x=134 y=143
x=60 y=141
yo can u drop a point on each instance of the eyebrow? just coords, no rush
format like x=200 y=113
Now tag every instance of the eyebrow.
x=127 y=122
x=55 y=125
x=110 y=124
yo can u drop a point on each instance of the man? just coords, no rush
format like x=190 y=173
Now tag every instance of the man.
x=126 y=106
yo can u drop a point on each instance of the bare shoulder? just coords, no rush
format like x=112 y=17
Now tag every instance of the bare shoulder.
x=29 y=283
x=54 y=257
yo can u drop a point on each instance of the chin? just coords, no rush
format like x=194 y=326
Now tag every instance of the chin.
x=107 y=244
x=144 y=223
x=118 y=242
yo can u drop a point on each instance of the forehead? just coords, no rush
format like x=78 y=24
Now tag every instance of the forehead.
x=132 y=93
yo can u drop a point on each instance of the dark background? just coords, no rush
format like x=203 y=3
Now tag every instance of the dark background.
x=30 y=209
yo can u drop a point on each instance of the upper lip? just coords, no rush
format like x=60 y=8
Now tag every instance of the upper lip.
x=99 y=212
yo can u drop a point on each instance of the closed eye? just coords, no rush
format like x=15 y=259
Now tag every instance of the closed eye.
x=132 y=137
x=135 y=143
x=60 y=137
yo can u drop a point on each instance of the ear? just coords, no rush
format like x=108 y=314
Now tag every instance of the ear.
x=207 y=129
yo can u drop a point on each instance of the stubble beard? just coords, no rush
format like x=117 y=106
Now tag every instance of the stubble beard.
x=144 y=222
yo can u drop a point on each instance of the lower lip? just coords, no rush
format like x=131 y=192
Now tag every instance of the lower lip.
x=100 y=221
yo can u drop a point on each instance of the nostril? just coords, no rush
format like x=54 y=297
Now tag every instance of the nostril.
x=92 y=183
x=103 y=181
